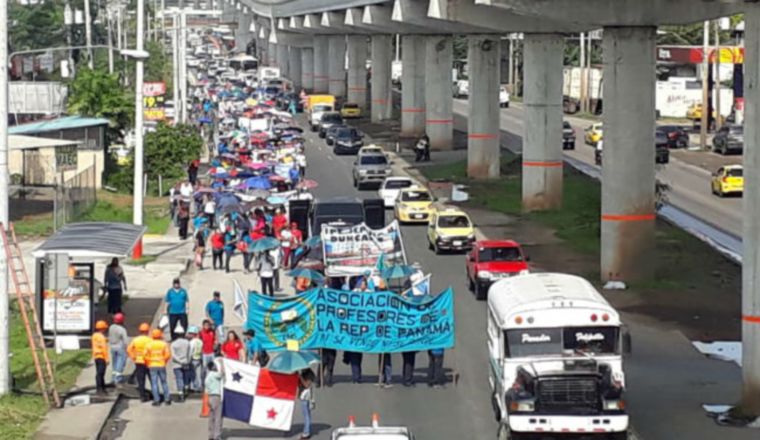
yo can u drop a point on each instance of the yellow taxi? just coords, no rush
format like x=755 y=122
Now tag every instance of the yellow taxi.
x=351 y=111
x=413 y=205
x=450 y=229
x=593 y=134
x=727 y=180
x=694 y=112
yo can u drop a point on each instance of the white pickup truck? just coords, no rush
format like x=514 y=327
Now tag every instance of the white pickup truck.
x=373 y=432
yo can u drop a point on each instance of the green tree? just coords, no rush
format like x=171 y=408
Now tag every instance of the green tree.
x=36 y=26
x=98 y=93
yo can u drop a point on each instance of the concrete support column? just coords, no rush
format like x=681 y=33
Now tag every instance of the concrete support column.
x=243 y=35
x=750 y=403
x=294 y=65
x=283 y=60
x=336 y=60
x=628 y=177
x=412 y=85
x=357 y=70
x=307 y=69
x=483 y=155
x=439 y=116
x=542 y=127
x=272 y=54
x=380 y=87
x=320 y=64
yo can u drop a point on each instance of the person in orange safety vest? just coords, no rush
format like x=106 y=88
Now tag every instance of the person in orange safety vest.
x=156 y=355
x=100 y=355
x=137 y=351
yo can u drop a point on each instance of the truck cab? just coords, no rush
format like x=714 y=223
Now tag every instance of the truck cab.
x=491 y=260
x=555 y=351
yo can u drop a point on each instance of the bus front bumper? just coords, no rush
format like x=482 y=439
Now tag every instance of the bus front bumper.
x=569 y=424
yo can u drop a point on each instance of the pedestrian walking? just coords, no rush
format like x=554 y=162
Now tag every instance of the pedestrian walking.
x=180 y=351
x=192 y=171
x=158 y=355
x=215 y=313
x=115 y=284
x=265 y=268
x=100 y=355
x=177 y=303
x=118 y=341
x=230 y=243
x=232 y=347
x=208 y=338
x=255 y=353
x=408 y=358
x=276 y=255
x=200 y=245
x=183 y=215
x=436 y=378
x=217 y=249
x=328 y=365
x=306 y=396
x=386 y=370
x=196 y=359
x=245 y=248
x=209 y=210
x=213 y=388
x=355 y=360
x=137 y=351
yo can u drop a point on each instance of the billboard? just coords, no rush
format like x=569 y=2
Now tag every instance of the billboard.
x=154 y=94
x=65 y=296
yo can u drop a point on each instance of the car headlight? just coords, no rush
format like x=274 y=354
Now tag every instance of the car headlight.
x=486 y=275
x=362 y=172
x=524 y=272
x=471 y=236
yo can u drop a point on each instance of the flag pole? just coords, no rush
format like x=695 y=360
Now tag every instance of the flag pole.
x=380 y=369
x=321 y=368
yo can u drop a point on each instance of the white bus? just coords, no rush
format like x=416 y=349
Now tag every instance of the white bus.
x=555 y=350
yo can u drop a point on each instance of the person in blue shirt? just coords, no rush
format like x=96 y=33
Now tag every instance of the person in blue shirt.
x=254 y=353
x=177 y=302
x=215 y=313
x=230 y=241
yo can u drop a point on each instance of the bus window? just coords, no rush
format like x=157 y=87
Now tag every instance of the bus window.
x=596 y=340
x=533 y=342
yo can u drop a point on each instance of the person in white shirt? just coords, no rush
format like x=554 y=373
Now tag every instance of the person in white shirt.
x=209 y=210
x=276 y=255
x=301 y=161
x=286 y=241
x=186 y=190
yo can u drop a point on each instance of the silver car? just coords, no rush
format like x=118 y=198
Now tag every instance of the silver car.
x=371 y=168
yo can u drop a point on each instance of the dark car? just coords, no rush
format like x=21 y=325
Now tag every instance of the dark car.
x=662 y=152
x=729 y=139
x=347 y=140
x=328 y=120
x=677 y=135
x=330 y=133
x=568 y=136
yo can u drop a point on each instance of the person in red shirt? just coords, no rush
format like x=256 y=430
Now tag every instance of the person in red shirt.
x=208 y=338
x=279 y=222
x=232 y=347
x=217 y=249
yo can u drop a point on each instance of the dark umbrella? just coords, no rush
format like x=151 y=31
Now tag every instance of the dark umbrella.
x=397 y=271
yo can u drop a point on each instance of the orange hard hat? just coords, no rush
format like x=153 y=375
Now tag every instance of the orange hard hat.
x=101 y=325
x=144 y=327
x=156 y=334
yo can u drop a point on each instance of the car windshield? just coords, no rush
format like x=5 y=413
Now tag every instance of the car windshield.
x=321 y=108
x=397 y=184
x=509 y=253
x=374 y=160
x=415 y=196
x=453 y=221
x=735 y=172
x=345 y=132
x=660 y=137
x=566 y=125
x=331 y=117
x=272 y=90
x=555 y=341
x=350 y=106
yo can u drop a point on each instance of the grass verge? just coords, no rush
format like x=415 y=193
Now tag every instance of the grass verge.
x=21 y=414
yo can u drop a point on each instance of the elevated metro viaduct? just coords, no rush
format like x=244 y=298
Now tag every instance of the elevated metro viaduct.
x=325 y=32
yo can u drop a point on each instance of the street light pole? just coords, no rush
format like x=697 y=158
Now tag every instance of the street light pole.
x=137 y=208
x=88 y=32
x=175 y=68
x=183 y=64
x=705 y=93
x=5 y=377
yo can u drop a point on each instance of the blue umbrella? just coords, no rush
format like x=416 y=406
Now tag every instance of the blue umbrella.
x=397 y=271
x=310 y=274
x=257 y=183
x=288 y=362
x=313 y=241
x=264 y=244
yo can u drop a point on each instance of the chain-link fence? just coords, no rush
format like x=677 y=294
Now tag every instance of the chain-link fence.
x=75 y=197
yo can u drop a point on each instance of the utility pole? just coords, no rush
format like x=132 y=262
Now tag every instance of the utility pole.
x=88 y=33
x=137 y=208
x=183 y=64
x=110 y=41
x=705 y=92
x=582 y=65
x=175 y=68
x=5 y=376
x=511 y=73
x=716 y=77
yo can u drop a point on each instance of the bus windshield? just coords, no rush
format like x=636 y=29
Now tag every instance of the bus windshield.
x=557 y=341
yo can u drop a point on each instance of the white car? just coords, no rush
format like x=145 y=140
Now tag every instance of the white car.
x=503 y=97
x=390 y=188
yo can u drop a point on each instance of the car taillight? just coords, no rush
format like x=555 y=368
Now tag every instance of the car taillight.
x=673 y=135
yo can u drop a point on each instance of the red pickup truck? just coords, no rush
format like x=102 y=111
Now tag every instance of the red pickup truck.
x=492 y=260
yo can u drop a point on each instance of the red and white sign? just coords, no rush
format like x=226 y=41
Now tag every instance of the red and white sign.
x=154 y=88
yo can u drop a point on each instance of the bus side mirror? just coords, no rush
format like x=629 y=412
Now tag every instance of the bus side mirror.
x=627 y=342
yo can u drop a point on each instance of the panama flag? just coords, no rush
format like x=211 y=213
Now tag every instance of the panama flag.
x=258 y=396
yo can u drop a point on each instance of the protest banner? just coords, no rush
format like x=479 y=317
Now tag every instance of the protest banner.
x=376 y=322
x=351 y=250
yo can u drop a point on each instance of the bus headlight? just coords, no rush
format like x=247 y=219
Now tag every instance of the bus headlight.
x=614 y=405
x=528 y=405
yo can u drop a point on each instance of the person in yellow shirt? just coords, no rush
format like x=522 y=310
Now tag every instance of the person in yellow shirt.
x=100 y=355
x=137 y=351
x=157 y=354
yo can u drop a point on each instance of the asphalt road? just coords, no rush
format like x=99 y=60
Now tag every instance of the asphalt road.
x=690 y=184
